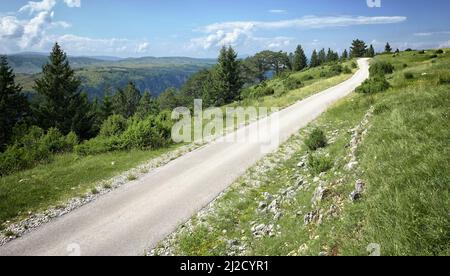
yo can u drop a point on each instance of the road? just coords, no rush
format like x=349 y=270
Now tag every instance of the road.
x=138 y=215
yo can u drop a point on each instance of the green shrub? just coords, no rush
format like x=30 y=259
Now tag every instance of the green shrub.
x=319 y=163
x=99 y=145
x=259 y=91
x=422 y=52
x=408 y=75
x=381 y=68
x=113 y=126
x=71 y=141
x=347 y=70
x=433 y=56
x=292 y=83
x=307 y=77
x=439 y=52
x=53 y=141
x=316 y=140
x=374 y=85
x=150 y=133
x=354 y=65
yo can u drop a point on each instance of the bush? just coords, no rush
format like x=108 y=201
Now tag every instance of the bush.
x=422 y=52
x=408 y=50
x=292 y=83
x=316 y=140
x=307 y=77
x=259 y=91
x=354 y=65
x=439 y=52
x=374 y=85
x=71 y=141
x=347 y=70
x=113 y=126
x=381 y=68
x=408 y=75
x=319 y=163
x=150 y=133
x=99 y=145
x=433 y=56
x=53 y=141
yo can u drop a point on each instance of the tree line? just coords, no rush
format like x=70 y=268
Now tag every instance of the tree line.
x=61 y=104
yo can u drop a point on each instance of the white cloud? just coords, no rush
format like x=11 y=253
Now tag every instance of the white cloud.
x=432 y=33
x=445 y=44
x=34 y=7
x=73 y=3
x=239 y=33
x=278 y=11
x=10 y=27
x=307 y=22
x=143 y=47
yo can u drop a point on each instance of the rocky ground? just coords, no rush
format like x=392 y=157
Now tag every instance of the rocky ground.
x=269 y=210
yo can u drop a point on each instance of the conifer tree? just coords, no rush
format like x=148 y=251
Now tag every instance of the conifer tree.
x=371 y=51
x=300 y=61
x=344 y=55
x=227 y=77
x=314 y=59
x=126 y=101
x=62 y=105
x=358 y=49
x=388 y=48
x=147 y=106
x=13 y=104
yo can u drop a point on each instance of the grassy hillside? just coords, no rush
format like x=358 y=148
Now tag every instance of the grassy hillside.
x=149 y=73
x=380 y=186
x=70 y=175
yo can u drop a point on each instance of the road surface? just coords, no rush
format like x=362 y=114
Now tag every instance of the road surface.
x=138 y=215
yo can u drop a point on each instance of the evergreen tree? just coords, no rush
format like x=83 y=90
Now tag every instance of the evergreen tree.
x=300 y=61
x=62 y=105
x=169 y=99
x=388 y=48
x=371 y=51
x=126 y=101
x=13 y=104
x=106 y=108
x=358 y=49
x=322 y=57
x=147 y=106
x=344 y=55
x=314 y=59
x=228 y=82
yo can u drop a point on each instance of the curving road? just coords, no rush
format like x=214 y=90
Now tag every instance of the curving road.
x=138 y=215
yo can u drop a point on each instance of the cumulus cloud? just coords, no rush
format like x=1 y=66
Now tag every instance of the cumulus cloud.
x=73 y=3
x=33 y=34
x=243 y=32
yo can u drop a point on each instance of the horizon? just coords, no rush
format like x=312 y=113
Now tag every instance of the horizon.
x=197 y=29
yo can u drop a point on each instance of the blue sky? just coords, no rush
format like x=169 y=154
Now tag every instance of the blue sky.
x=198 y=28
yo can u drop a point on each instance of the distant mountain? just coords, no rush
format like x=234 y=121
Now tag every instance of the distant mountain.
x=155 y=74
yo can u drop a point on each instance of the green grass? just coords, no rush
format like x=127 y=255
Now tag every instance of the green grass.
x=404 y=161
x=67 y=177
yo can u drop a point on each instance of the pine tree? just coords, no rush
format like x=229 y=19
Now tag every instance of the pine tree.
x=358 y=49
x=62 y=105
x=106 y=108
x=344 y=55
x=147 y=106
x=300 y=61
x=13 y=104
x=314 y=59
x=322 y=57
x=228 y=82
x=388 y=48
x=126 y=101
x=371 y=51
